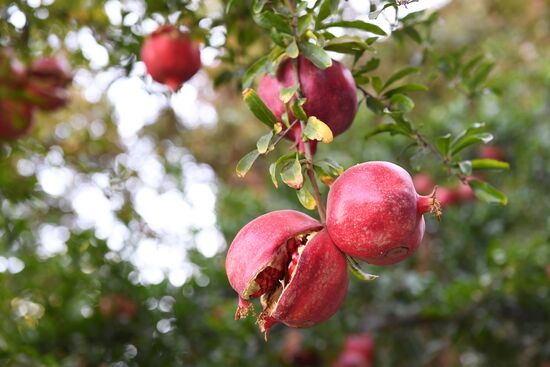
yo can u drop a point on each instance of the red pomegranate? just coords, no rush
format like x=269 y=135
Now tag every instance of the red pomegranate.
x=423 y=183
x=171 y=56
x=15 y=118
x=375 y=214
x=48 y=80
x=288 y=260
x=492 y=152
x=446 y=196
x=331 y=95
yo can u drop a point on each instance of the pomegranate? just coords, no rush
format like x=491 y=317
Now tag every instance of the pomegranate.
x=375 y=214
x=446 y=196
x=358 y=351
x=117 y=305
x=331 y=95
x=423 y=183
x=49 y=78
x=15 y=118
x=492 y=152
x=464 y=192
x=288 y=260
x=171 y=56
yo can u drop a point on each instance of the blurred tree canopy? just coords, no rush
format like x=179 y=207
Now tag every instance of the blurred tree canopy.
x=116 y=211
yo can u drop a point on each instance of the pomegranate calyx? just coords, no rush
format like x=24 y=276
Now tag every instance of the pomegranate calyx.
x=429 y=203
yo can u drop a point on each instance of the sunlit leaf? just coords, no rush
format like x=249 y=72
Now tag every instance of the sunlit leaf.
x=246 y=163
x=317 y=130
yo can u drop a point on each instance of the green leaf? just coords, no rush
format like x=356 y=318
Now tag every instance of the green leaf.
x=292 y=50
x=347 y=45
x=393 y=129
x=487 y=193
x=258 y=6
x=413 y=87
x=375 y=105
x=468 y=67
x=480 y=75
x=273 y=174
x=465 y=167
x=246 y=163
x=328 y=7
x=298 y=110
x=303 y=23
x=286 y=94
x=292 y=174
x=468 y=140
x=306 y=199
x=402 y=102
x=442 y=143
x=268 y=20
x=259 y=67
x=325 y=177
x=356 y=24
x=371 y=65
x=400 y=75
x=489 y=164
x=263 y=143
x=317 y=130
x=356 y=270
x=316 y=55
x=413 y=34
x=258 y=107
x=377 y=84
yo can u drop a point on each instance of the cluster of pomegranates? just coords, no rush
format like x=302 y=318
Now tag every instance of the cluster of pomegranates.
x=171 y=56
x=297 y=265
x=42 y=85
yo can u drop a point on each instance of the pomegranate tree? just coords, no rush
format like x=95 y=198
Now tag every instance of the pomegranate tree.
x=171 y=56
x=331 y=95
x=289 y=261
x=375 y=214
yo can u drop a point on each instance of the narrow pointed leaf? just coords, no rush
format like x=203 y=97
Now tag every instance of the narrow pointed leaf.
x=487 y=193
x=263 y=143
x=489 y=164
x=258 y=107
x=246 y=163
x=316 y=55
x=356 y=270
x=357 y=24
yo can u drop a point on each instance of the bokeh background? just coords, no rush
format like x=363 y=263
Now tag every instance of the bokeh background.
x=116 y=211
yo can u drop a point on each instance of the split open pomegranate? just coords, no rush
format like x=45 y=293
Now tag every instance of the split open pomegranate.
x=289 y=261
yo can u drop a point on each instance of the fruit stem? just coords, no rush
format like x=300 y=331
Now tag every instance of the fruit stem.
x=307 y=148
x=429 y=203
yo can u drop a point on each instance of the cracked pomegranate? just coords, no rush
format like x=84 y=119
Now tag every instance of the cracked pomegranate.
x=375 y=214
x=288 y=260
x=331 y=95
x=171 y=56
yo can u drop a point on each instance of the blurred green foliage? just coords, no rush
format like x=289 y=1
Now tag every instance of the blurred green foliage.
x=477 y=293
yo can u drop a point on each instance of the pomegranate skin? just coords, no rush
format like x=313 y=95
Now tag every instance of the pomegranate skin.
x=318 y=287
x=492 y=152
x=375 y=214
x=48 y=80
x=170 y=56
x=15 y=119
x=358 y=351
x=446 y=196
x=258 y=241
x=331 y=94
x=315 y=287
